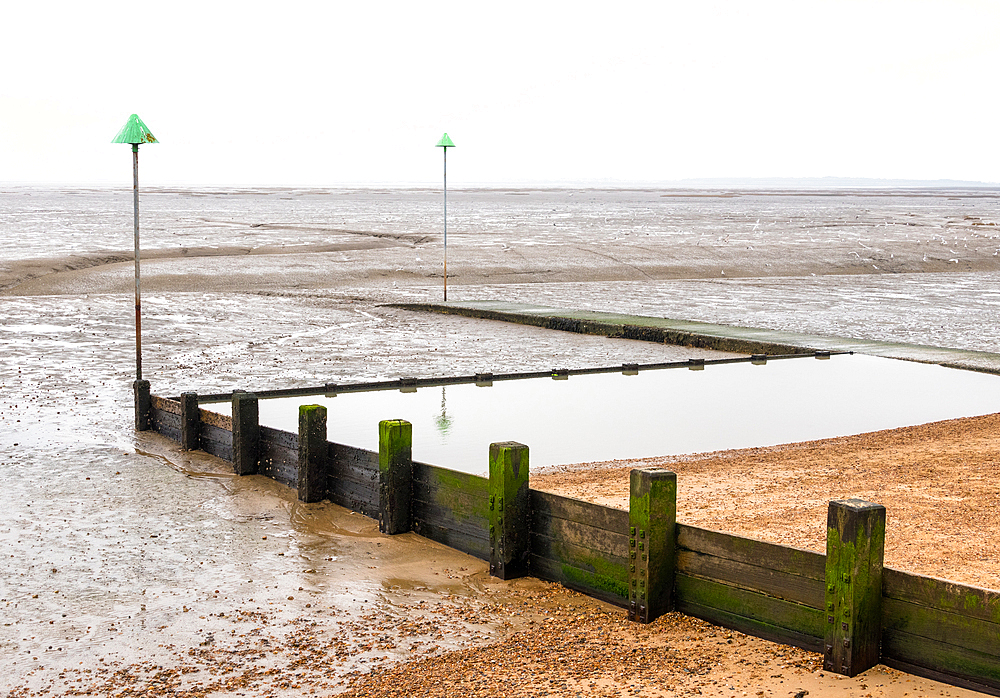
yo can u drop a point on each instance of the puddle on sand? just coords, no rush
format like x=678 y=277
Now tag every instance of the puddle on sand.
x=658 y=412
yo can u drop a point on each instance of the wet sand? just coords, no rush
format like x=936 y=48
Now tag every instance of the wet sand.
x=111 y=585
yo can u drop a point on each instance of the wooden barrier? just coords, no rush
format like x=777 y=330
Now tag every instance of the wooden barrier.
x=451 y=508
x=245 y=424
x=583 y=546
x=941 y=630
x=929 y=627
x=312 y=477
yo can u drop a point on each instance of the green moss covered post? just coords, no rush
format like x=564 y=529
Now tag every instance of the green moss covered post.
x=246 y=433
x=190 y=421
x=855 y=545
x=652 y=520
x=143 y=404
x=395 y=475
x=312 y=453
x=510 y=514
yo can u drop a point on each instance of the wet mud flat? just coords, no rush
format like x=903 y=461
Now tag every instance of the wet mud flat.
x=218 y=321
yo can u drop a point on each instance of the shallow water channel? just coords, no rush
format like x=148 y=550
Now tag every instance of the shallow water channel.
x=665 y=411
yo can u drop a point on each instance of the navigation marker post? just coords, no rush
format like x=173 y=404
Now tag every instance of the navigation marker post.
x=135 y=132
x=445 y=143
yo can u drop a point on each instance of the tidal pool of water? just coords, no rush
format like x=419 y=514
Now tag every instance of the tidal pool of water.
x=600 y=417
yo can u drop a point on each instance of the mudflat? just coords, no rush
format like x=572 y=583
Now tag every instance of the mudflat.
x=137 y=569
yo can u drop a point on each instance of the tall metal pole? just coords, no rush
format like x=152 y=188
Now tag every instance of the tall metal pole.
x=445 y=224
x=138 y=304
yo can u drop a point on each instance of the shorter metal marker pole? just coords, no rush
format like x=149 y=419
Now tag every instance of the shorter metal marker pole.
x=138 y=303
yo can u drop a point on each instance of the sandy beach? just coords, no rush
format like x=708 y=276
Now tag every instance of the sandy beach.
x=140 y=570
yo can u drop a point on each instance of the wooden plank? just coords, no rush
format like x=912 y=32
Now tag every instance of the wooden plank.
x=461 y=504
x=584 y=581
x=941 y=626
x=750 y=626
x=351 y=471
x=971 y=602
x=791 y=587
x=277 y=437
x=222 y=421
x=433 y=476
x=610 y=566
x=750 y=605
x=804 y=563
x=360 y=505
x=941 y=657
x=353 y=491
x=166 y=423
x=475 y=546
x=357 y=457
x=215 y=441
x=940 y=676
x=566 y=531
x=165 y=405
x=577 y=510
x=442 y=515
x=282 y=472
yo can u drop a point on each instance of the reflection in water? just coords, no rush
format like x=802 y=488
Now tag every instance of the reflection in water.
x=590 y=418
x=443 y=421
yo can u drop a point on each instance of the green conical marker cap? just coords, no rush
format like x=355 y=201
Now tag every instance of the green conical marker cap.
x=445 y=142
x=135 y=132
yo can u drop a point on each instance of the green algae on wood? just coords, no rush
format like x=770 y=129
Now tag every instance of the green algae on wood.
x=855 y=547
x=510 y=514
x=652 y=542
x=395 y=470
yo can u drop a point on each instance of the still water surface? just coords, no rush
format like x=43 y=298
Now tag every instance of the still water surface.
x=658 y=412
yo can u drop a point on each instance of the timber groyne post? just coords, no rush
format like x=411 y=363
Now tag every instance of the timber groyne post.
x=395 y=475
x=652 y=520
x=312 y=453
x=510 y=510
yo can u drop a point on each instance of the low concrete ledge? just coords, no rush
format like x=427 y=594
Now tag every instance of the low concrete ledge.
x=704 y=335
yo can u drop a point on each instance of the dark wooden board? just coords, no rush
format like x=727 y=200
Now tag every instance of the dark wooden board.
x=475 y=546
x=752 y=626
x=804 y=563
x=348 y=490
x=218 y=442
x=285 y=439
x=941 y=626
x=950 y=679
x=279 y=462
x=556 y=506
x=983 y=604
x=359 y=457
x=441 y=515
x=792 y=587
x=433 y=476
x=348 y=501
x=574 y=578
x=751 y=605
x=351 y=470
x=938 y=656
x=566 y=531
x=166 y=423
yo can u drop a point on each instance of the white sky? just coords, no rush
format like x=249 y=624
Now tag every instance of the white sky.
x=326 y=93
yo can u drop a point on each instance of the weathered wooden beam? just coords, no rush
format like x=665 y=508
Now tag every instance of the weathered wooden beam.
x=855 y=547
x=143 y=404
x=652 y=542
x=395 y=476
x=189 y=421
x=312 y=453
x=510 y=515
x=246 y=433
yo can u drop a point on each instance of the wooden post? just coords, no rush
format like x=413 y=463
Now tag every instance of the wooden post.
x=652 y=520
x=143 y=404
x=395 y=475
x=855 y=545
x=246 y=433
x=510 y=514
x=190 y=421
x=312 y=453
